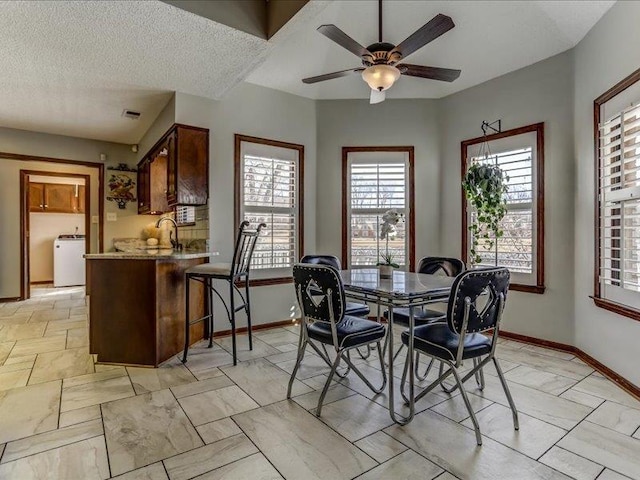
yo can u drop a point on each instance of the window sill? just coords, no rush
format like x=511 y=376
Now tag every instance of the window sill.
x=519 y=287
x=618 y=308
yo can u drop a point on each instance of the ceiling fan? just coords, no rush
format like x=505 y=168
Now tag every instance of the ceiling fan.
x=383 y=62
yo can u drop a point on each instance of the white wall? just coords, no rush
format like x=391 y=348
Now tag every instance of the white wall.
x=260 y=112
x=539 y=93
x=352 y=123
x=601 y=61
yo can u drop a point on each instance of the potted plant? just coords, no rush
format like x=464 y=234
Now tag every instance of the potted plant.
x=388 y=230
x=485 y=187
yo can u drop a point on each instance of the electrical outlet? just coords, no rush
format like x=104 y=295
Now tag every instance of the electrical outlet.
x=95 y=219
x=112 y=217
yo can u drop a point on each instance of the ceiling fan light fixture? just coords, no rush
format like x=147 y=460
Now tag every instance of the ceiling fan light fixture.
x=380 y=77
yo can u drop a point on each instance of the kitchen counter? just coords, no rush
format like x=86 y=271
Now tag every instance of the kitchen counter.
x=151 y=254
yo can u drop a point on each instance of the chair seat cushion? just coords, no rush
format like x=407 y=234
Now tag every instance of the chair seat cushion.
x=356 y=309
x=210 y=269
x=351 y=331
x=438 y=340
x=420 y=316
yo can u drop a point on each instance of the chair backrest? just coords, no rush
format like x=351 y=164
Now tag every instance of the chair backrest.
x=243 y=250
x=451 y=267
x=320 y=292
x=480 y=292
x=330 y=260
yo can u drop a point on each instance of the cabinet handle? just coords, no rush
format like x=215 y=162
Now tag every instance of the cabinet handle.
x=46 y=206
x=41 y=206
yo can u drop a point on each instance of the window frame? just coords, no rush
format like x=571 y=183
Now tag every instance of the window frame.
x=598 y=104
x=538 y=129
x=411 y=232
x=238 y=207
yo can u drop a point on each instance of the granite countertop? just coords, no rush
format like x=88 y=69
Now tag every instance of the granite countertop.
x=151 y=254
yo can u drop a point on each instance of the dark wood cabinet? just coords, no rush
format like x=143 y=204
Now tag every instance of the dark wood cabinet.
x=175 y=171
x=188 y=166
x=56 y=198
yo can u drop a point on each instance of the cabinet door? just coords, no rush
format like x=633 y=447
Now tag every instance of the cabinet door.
x=36 y=197
x=143 y=187
x=59 y=198
x=192 y=167
x=172 y=169
x=158 y=182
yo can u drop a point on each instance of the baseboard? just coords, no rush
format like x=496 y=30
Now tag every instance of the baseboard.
x=9 y=299
x=42 y=282
x=622 y=382
x=264 y=326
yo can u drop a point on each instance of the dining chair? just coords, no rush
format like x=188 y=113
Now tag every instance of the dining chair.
x=236 y=271
x=451 y=267
x=476 y=303
x=320 y=294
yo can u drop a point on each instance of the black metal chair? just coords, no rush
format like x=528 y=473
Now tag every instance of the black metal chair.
x=352 y=308
x=320 y=293
x=475 y=305
x=450 y=267
x=236 y=271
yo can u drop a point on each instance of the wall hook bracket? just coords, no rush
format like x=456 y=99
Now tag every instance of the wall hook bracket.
x=490 y=126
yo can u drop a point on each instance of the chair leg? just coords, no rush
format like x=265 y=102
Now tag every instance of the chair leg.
x=232 y=319
x=302 y=345
x=209 y=294
x=426 y=372
x=362 y=377
x=247 y=307
x=334 y=367
x=463 y=392
x=479 y=374
x=442 y=385
x=186 y=319
x=514 y=412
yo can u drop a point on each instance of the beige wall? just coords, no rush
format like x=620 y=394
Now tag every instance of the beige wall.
x=601 y=61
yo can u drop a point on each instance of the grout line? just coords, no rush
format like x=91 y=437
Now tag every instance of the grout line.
x=106 y=445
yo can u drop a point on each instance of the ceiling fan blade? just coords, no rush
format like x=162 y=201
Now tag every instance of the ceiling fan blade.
x=434 y=73
x=329 y=76
x=437 y=26
x=377 y=96
x=334 y=33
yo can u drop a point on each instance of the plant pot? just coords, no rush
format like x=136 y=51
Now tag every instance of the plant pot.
x=386 y=271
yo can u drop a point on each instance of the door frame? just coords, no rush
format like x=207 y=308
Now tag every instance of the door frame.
x=25 y=289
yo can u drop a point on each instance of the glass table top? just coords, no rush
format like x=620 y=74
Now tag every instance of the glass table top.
x=402 y=285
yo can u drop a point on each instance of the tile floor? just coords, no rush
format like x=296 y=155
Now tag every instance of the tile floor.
x=63 y=416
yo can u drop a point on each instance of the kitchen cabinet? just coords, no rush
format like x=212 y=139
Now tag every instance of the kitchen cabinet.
x=188 y=165
x=152 y=183
x=56 y=198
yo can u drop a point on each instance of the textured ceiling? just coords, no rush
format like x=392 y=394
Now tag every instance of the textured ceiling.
x=70 y=68
x=490 y=38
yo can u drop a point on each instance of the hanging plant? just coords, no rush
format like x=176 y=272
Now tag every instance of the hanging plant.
x=485 y=187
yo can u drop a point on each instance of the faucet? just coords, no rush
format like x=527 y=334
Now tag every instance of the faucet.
x=174 y=243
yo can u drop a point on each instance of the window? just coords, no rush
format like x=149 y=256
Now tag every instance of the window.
x=520 y=155
x=617 y=275
x=269 y=189
x=376 y=179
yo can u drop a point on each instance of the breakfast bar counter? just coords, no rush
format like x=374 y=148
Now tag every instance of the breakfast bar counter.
x=137 y=304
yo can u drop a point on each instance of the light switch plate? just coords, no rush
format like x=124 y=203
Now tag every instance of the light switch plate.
x=95 y=219
x=112 y=217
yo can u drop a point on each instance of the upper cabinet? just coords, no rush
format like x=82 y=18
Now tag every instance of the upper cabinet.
x=56 y=198
x=175 y=171
x=188 y=166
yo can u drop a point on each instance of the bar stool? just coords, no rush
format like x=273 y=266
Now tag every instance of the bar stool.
x=237 y=270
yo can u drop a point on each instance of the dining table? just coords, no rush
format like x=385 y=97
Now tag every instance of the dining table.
x=402 y=290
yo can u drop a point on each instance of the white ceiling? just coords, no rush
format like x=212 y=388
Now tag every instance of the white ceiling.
x=71 y=67
x=490 y=38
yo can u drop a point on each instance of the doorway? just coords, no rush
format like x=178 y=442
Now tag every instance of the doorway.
x=55 y=213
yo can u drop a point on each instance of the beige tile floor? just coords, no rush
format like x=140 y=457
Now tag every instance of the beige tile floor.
x=62 y=416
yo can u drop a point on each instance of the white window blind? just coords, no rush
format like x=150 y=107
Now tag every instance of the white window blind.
x=375 y=186
x=516 y=248
x=620 y=207
x=269 y=195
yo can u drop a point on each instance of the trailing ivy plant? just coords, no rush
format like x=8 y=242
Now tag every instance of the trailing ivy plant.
x=485 y=187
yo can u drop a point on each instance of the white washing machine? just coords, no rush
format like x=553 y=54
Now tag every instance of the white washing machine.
x=68 y=261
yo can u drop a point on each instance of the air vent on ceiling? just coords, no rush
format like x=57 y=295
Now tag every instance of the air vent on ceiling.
x=131 y=114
